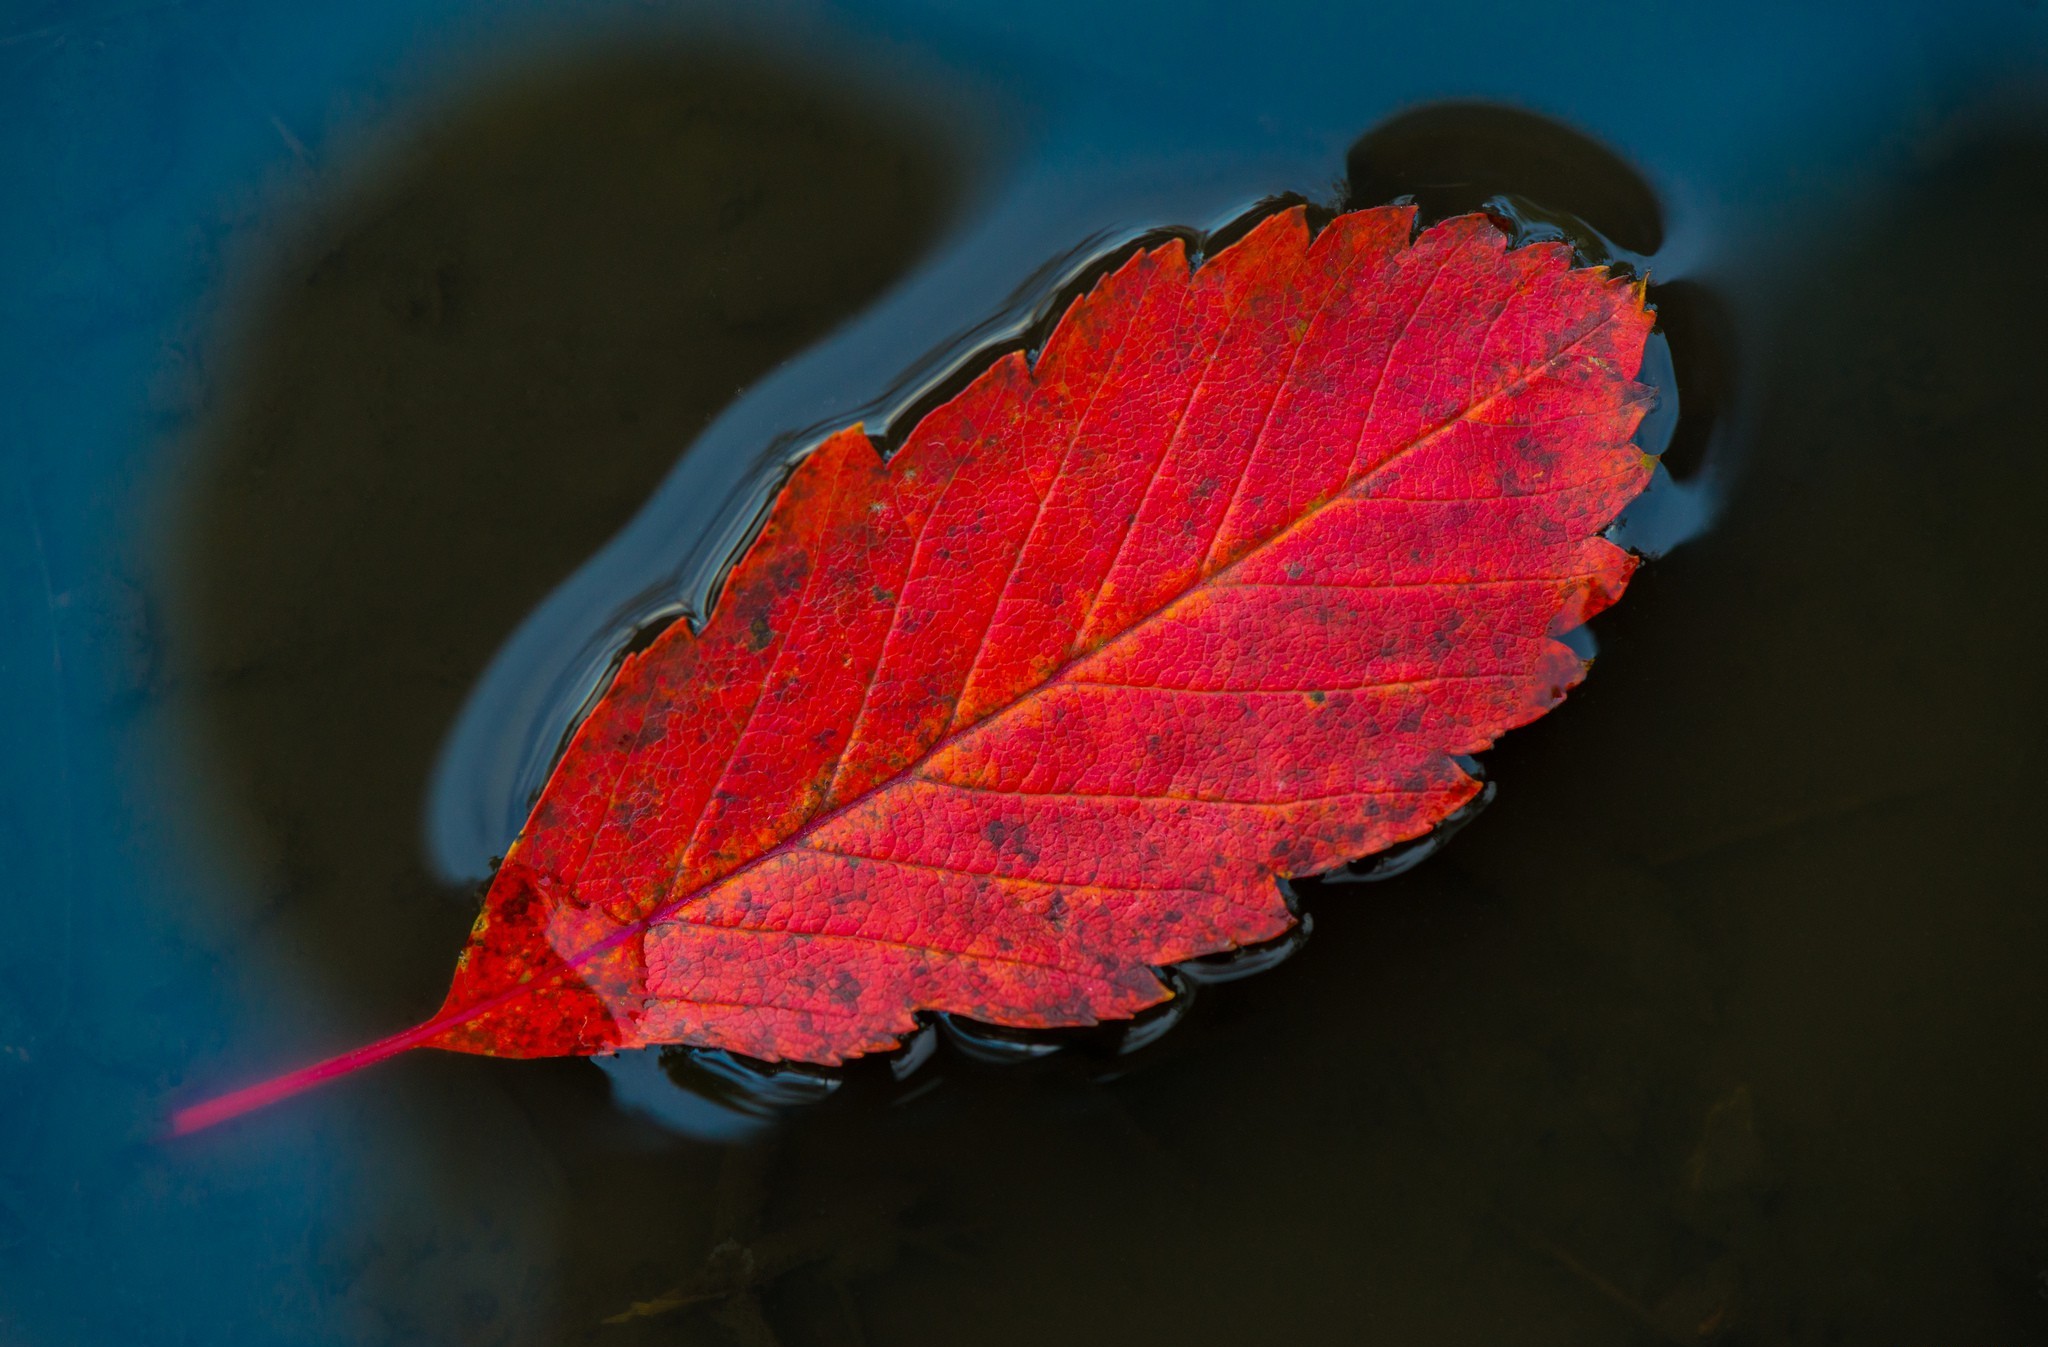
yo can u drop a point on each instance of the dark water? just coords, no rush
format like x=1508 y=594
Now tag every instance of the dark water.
x=372 y=371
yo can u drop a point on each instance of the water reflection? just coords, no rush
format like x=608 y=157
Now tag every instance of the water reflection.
x=1723 y=1023
x=710 y=1096
x=1713 y=1029
x=1458 y=157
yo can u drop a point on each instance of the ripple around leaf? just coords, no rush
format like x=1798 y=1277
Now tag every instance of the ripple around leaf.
x=1215 y=592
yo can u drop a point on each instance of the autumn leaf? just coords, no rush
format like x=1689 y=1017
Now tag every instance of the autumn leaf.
x=1211 y=593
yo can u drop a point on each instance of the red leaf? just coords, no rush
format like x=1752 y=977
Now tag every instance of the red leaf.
x=1210 y=594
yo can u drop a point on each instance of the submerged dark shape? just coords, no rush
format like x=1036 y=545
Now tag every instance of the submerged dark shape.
x=1456 y=157
x=1216 y=592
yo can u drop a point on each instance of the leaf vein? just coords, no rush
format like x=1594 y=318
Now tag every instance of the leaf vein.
x=1165 y=797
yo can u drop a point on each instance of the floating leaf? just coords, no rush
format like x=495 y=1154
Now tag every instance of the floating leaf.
x=1213 y=592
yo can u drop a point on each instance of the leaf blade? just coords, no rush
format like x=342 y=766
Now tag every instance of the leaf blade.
x=1007 y=637
x=1208 y=595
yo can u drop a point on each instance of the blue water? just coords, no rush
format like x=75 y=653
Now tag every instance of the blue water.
x=1723 y=1022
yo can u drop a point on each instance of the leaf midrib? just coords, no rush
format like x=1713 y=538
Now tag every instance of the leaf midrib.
x=795 y=840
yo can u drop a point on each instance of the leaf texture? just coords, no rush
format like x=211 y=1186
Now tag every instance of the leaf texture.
x=1212 y=593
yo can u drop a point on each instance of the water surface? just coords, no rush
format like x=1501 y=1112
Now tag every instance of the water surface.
x=374 y=370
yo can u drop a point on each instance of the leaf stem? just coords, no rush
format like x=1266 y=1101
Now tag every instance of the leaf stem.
x=197 y=1117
